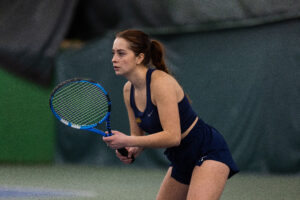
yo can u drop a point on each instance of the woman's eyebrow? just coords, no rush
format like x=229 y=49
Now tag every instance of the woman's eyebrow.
x=118 y=50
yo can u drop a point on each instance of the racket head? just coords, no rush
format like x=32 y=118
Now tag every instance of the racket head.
x=80 y=103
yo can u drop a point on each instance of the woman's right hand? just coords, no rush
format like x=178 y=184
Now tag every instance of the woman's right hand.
x=132 y=151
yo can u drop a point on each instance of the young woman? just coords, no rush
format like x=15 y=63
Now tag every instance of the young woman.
x=200 y=159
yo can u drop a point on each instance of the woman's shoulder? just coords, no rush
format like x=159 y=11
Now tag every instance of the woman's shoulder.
x=126 y=88
x=160 y=78
x=163 y=84
x=161 y=75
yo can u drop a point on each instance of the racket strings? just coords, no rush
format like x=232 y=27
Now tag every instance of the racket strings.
x=82 y=113
x=82 y=97
x=88 y=96
x=80 y=103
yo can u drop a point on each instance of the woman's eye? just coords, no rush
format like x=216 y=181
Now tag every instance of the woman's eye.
x=119 y=53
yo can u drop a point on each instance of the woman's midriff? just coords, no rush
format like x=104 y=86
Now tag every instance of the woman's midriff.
x=183 y=135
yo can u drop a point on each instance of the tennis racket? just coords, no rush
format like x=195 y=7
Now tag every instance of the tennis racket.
x=82 y=104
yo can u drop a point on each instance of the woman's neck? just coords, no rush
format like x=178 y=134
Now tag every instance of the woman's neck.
x=138 y=77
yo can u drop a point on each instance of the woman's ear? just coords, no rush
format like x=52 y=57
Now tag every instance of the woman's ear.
x=140 y=58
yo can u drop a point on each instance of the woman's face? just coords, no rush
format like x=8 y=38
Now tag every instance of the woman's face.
x=124 y=59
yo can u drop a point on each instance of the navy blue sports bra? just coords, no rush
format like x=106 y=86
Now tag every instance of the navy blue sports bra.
x=149 y=119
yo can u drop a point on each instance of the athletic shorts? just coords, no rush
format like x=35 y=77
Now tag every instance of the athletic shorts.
x=202 y=143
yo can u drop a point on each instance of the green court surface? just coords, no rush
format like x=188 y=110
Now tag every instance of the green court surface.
x=95 y=182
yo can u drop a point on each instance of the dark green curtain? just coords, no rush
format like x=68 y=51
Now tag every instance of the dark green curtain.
x=30 y=35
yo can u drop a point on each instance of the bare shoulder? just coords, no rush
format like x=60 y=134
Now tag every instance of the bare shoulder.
x=163 y=84
x=126 y=90
x=160 y=77
x=126 y=87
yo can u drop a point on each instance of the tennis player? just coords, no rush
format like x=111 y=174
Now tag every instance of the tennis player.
x=200 y=161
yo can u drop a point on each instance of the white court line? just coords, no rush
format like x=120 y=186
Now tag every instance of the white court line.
x=7 y=192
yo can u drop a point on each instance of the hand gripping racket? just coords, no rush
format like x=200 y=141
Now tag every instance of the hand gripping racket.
x=82 y=104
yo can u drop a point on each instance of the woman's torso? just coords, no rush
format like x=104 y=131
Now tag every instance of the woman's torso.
x=148 y=120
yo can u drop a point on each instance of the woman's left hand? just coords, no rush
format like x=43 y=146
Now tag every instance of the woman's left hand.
x=117 y=141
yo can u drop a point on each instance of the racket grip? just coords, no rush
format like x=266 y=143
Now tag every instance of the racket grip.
x=124 y=152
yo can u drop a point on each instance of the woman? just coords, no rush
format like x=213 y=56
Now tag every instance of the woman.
x=156 y=104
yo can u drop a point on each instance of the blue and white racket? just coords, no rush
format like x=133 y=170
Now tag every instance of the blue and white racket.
x=82 y=104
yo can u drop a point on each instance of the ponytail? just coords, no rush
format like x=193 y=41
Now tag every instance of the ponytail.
x=157 y=56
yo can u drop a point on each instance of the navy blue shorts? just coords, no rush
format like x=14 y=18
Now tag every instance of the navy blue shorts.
x=202 y=143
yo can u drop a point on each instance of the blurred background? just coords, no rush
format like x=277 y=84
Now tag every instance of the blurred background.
x=238 y=60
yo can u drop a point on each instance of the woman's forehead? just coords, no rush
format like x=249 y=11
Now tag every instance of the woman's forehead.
x=120 y=43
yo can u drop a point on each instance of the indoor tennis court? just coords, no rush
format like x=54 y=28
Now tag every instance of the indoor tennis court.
x=94 y=182
x=238 y=62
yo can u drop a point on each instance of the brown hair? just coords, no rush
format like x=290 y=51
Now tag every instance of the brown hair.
x=141 y=43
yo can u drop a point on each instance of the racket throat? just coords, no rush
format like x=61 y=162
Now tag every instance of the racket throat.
x=98 y=132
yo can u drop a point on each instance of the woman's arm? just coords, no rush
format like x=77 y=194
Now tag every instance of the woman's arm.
x=166 y=93
x=135 y=130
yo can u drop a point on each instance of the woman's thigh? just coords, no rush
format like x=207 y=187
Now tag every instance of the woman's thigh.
x=172 y=189
x=208 y=180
